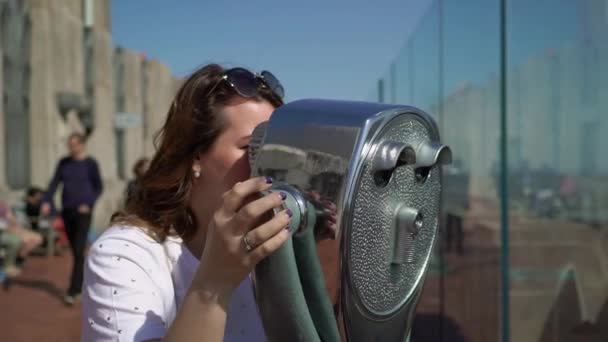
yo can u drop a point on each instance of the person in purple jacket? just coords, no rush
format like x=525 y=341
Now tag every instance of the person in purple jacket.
x=79 y=175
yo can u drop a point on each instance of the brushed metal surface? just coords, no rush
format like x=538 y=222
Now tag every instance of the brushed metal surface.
x=334 y=280
x=382 y=285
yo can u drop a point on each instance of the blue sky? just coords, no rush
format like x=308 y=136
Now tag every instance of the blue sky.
x=318 y=49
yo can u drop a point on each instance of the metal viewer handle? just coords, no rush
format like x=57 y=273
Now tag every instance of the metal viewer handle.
x=407 y=224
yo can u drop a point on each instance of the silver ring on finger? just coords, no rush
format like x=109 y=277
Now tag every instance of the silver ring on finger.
x=247 y=243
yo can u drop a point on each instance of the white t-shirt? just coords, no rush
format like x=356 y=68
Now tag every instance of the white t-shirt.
x=133 y=287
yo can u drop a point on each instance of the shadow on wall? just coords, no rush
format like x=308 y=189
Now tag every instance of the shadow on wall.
x=601 y=322
x=594 y=331
x=565 y=320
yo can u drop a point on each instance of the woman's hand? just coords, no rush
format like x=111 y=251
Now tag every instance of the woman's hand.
x=238 y=237
x=45 y=209
x=84 y=209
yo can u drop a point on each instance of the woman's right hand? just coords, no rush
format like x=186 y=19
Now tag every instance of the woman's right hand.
x=226 y=260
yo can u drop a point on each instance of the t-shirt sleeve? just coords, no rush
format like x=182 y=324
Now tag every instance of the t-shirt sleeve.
x=122 y=300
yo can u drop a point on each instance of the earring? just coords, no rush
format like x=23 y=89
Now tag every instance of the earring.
x=197 y=173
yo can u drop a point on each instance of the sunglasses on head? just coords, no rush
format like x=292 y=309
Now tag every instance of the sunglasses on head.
x=246 y=83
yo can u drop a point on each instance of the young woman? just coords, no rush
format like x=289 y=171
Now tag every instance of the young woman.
x=175 y=264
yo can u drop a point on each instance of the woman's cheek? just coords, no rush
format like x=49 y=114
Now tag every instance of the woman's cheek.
x=238 y=171
x=244 y=169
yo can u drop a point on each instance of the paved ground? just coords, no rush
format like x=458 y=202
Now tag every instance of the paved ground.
x=32 y=309
x=470 y=299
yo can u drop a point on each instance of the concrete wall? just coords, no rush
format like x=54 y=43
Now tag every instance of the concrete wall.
x=158 y=95
x=58 y=63
x=133 y=94
x=3 y=186
x=102 y=21
x=102 y=144
x=44 y=116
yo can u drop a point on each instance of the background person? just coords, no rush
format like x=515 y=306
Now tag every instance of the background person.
x=82 y=186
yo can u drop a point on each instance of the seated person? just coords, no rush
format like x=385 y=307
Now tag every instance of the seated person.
x=28 y=238
x=33 y=201
x=11 y=244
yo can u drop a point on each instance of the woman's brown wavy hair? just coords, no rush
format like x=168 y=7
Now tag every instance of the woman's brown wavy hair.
x=160 y=201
